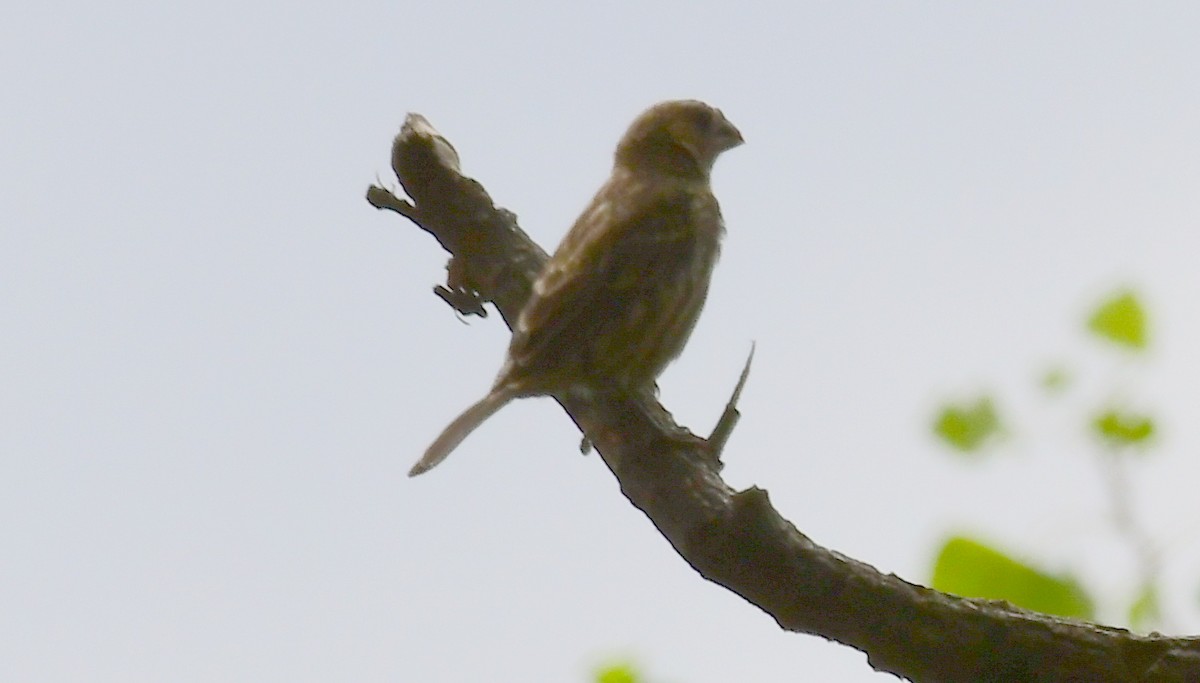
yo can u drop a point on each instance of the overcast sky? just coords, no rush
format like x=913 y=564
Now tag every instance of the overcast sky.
x=219 y=362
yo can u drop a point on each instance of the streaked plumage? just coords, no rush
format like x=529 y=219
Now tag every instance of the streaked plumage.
x=619 y=298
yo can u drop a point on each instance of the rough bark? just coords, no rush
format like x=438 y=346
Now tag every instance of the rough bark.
x=736 y=538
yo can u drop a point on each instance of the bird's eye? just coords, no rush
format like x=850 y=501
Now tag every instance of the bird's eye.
x=702 y=119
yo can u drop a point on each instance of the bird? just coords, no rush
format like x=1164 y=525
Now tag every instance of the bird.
x=618 y=299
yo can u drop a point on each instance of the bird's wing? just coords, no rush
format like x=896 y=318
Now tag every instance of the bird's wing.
x=604 y=271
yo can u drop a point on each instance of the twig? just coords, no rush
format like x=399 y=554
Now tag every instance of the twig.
x=729 y=418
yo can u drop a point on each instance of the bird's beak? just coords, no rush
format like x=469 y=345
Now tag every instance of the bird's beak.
x=727 y=135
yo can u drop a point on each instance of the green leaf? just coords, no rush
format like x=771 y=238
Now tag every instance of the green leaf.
x=971 y=569
x=1121 y=320
x=1145 y=611
x=1123 y=429
x=617 y=673
x=967 y=426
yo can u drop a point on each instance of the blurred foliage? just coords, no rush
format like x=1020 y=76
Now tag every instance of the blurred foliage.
x=623 y=672
x=968 y=567
x=1123 y=429
x=1145 y=610
x=971 y=569
x=968 y=426
x=1120 y=319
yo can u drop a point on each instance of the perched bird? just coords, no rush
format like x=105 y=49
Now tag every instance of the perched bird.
x=618 y=299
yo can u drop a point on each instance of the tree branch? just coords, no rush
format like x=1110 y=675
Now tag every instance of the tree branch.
x=737 y=539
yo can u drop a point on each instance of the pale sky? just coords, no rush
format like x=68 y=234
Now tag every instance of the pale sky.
x=219 y=362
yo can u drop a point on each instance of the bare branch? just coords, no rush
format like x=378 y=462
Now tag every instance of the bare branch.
x=737 y=539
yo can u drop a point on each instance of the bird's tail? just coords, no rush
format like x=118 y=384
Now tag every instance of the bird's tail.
x=462 y=425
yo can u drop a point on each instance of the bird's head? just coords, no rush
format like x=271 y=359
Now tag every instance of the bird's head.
x=679 y=137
